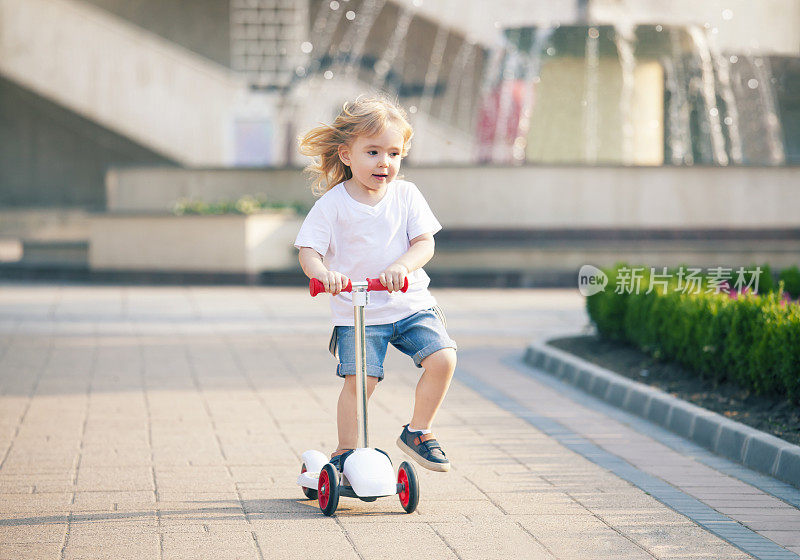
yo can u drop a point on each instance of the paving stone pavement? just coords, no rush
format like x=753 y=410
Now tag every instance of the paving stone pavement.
x=167 y=422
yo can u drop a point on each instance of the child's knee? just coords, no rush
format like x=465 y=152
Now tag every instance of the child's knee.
x=350 y=384
x=442 y=362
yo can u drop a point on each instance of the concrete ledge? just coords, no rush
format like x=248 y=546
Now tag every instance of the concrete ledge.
x=17 y=270
x=227 y=244
x=613 y=197
x=735 y=441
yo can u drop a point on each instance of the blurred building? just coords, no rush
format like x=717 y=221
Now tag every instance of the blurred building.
x=92 y=85
x=87 y=84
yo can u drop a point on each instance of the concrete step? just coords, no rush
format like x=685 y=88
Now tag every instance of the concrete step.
x=176 y=103
x=562 y=251
x=55 y=253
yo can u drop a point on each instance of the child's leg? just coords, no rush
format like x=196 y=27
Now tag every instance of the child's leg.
x=346 y=411
x=375 y=343
x=432 y=387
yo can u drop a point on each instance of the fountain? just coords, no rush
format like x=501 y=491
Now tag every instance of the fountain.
x=677 y=98
x=626 y=93
x=546 y=146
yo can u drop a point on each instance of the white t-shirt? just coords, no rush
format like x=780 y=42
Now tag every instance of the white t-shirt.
x=361 y=241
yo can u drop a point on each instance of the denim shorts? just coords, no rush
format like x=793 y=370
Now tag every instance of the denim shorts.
x=418 y=335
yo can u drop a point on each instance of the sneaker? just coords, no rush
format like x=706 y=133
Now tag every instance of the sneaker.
x=424 y=449
x=338 y=460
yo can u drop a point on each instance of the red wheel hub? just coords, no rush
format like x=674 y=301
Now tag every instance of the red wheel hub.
x=402 y=478
x=324 y=489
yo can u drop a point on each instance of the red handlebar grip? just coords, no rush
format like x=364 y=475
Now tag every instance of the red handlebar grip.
x=315 y=287
x=374 y=285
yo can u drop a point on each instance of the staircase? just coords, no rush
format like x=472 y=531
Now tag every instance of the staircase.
x=122 y=77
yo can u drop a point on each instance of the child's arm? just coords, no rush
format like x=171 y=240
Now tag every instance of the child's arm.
x=312 y=265
x=420 y=252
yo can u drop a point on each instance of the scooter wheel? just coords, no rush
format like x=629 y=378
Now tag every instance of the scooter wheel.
x=328 y=489
x=310 y=493
x=409 y=486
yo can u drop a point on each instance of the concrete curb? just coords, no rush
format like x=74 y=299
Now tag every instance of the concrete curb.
x=727 y=438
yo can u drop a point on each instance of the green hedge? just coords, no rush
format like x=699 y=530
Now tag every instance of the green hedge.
x=753 y=340
x=791 y=281
x=245 y=205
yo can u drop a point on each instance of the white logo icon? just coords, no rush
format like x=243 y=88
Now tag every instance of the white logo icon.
x=591 y=280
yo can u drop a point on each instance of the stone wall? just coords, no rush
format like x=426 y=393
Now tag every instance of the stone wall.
x=524 y=197
x=52 y=157
x=202 y=26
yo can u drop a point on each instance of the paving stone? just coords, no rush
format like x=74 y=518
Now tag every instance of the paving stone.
x=188 y=440
x=589 y=537
x=444 y=510
x=705 y=556
x=525 y=481
x=252 y=473
x=767 y=523
x=600 y=502
x=30 y=551
x=506 y=540
x=35 y=503
x=284 y=539
x=787 y=539
x=141 y=547
x=55 y=482
x=415 y=540
x=32 y=530
x=537 y=502
x=135 y=534
x=233 y=545
x=134 y=478
x=666 y=542
x=113 y=501
x=657 y=517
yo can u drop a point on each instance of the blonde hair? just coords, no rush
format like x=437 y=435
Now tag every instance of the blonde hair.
x=366 y=116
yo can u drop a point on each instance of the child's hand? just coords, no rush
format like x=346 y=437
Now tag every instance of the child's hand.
x=394 y=277
x=333 y=281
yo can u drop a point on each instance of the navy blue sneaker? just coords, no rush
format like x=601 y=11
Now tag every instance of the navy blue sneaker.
x=338 y=460
x=424 y=449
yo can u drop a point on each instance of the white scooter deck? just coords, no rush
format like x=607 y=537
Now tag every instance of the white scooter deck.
x=369 y=472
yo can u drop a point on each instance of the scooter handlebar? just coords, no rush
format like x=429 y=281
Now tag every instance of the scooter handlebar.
x=315 y=287
x=374 y=285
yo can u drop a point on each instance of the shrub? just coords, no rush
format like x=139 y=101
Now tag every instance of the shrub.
x=608 y=312
x=765 y=282
x=245 y=205
x=791 y=281
x=751 y=339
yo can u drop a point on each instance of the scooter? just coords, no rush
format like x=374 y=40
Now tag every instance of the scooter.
x=367 y=473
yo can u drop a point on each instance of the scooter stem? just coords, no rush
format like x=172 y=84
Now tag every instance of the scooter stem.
x=360 y=298
x=360 y=292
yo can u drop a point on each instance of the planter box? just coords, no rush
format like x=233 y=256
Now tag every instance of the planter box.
x=229 y=243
